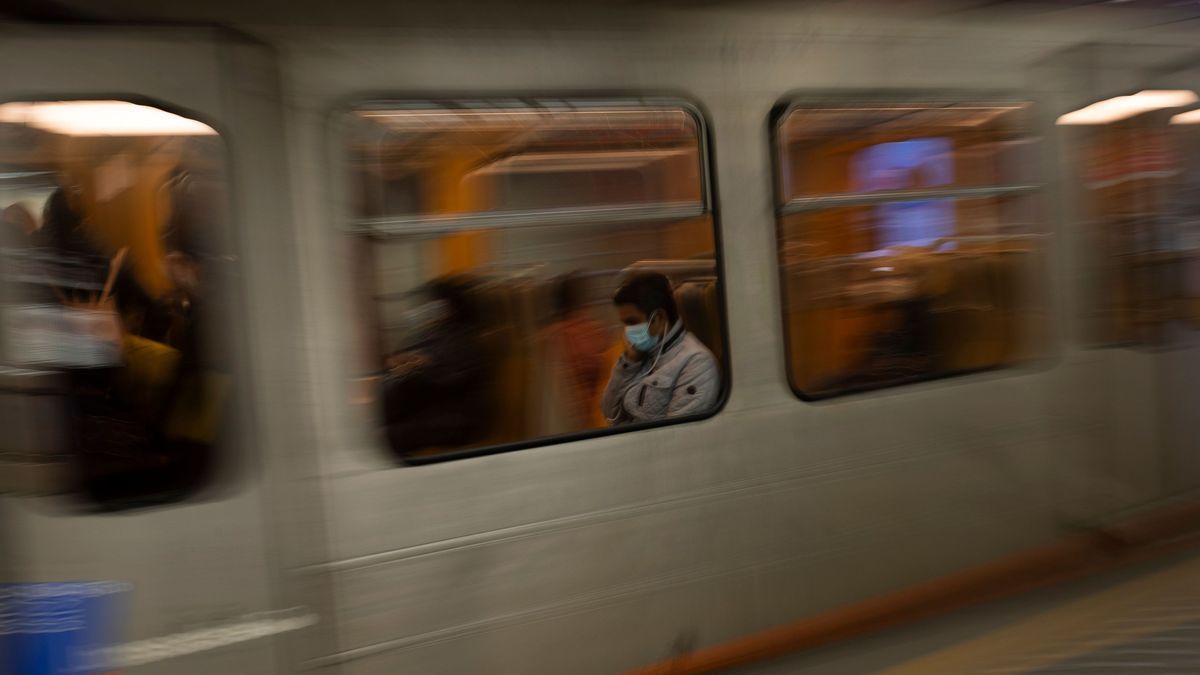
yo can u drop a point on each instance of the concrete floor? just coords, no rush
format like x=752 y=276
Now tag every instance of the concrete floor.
x=1032 y=627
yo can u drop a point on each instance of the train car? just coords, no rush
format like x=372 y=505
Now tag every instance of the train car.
x=309 y=316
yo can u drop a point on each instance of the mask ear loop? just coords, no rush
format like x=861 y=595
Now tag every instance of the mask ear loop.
x=662 y=342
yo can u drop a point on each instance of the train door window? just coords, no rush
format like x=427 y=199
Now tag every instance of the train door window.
x=909 y=246
x=112 y=375
x=490 y=240
x=1138 y=180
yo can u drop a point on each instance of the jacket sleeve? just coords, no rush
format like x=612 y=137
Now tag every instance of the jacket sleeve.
x=623 y=372
x=697 y=388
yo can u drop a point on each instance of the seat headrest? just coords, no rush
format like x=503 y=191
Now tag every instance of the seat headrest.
x=678 y=271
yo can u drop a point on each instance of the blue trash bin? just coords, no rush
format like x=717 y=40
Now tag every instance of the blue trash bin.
x=63 y=628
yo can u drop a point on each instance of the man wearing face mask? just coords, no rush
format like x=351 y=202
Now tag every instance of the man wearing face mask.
x=665 y=371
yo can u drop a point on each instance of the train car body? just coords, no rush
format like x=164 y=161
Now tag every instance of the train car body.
x=609 y=551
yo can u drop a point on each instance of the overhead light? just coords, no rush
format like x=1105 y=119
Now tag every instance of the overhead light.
x=1123 y=107
x=102 y=118
x=1189 y=117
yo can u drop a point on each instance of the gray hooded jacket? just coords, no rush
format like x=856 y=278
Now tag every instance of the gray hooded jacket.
x=684 y=379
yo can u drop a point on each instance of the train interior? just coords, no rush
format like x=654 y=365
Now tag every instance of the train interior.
x=957 y=341
x=515 y=198
x=113 y=243
x=909 y=289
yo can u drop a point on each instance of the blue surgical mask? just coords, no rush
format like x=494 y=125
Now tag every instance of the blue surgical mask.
x=639 y=336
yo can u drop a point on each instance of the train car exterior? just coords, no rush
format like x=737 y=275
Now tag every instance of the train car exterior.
x=607 y=551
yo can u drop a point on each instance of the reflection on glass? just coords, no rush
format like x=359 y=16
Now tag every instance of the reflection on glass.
x=915 y=281
x=908 y=165
x=112 y=220
x=909 y=146
x=492 y=238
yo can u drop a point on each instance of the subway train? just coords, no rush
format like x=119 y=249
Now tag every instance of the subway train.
x=943 y=256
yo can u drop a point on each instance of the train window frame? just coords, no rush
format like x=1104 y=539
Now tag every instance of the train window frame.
x=58 y=494
x=707 y=206
x=784 y=205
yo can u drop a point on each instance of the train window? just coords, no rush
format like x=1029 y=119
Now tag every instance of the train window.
x=113 y=377
x=1138 y=186
x=909 y=245
x=530 y=270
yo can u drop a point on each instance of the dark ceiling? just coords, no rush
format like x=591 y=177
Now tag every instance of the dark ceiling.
x=400 y=12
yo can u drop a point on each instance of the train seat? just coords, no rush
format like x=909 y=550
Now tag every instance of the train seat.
x=678 y=271
x=699 y=307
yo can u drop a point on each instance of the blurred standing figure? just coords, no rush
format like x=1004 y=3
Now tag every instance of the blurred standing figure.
x=80 y=264
x=665 y=371
x=19 y=224
x=577 y=344
x=435 y=392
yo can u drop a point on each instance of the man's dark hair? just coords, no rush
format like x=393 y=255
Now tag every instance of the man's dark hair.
x=649 y=292
x=59 y=220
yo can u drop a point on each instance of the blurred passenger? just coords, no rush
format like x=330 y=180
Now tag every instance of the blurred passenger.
x=83 y=268
x=435 y=392
x=80 y=262
x=80 y=275
x=194 y=207
x=141 y=423
x=665 y=371
x=19 y=225
x=577 y=344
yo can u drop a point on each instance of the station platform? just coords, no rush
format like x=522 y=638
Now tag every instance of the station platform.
x=1141 y=618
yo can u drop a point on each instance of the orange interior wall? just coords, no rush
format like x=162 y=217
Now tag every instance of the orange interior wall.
x=447 y=192
x=825 y=341
x=691 y=238
x=122 y=199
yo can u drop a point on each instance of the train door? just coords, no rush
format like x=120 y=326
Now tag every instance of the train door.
x=1179 y=368
x=145 y=238
x=1130 y=363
